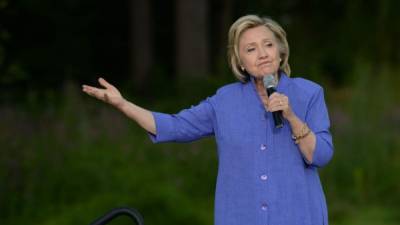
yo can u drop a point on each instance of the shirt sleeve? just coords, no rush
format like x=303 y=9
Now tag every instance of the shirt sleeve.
x=317 y=119
x=187 y=125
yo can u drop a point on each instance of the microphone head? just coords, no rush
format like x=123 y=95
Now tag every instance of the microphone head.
x=269 y=81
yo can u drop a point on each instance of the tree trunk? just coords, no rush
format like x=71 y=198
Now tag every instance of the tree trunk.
x=141 y=39
x=192 y=43
x=224 y=23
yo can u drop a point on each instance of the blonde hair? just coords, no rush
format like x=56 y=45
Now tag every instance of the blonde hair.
x=250 y=21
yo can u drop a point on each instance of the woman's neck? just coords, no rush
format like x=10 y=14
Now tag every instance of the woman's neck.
x=260 y=87
x=259 y=83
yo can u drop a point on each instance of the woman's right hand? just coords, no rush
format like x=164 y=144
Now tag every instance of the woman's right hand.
x=108 y=94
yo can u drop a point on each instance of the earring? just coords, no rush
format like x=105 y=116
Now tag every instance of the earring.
x=242 y=68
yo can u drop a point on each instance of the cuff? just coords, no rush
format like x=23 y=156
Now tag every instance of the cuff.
x=164 y=128
x=323 y=152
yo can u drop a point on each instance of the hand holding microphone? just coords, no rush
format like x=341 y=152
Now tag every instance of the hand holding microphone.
x=278 y=103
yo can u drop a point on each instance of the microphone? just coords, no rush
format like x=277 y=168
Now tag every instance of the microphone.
x=269 y=85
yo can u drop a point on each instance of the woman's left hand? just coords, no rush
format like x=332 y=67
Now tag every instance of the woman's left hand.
x=278 y=101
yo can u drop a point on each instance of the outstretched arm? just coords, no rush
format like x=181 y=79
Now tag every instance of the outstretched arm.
x=112 y=96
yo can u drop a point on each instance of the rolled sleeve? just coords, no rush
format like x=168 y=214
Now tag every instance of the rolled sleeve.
x=318 y=120
x=323 y=150
x=164 y=128
x=185 y=126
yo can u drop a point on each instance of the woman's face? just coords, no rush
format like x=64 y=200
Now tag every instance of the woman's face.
x=259 y=51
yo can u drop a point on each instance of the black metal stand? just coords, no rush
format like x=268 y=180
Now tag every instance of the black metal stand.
x=130 y=212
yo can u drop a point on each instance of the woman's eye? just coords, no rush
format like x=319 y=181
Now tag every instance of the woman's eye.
x=250 y=49
x=268 y=44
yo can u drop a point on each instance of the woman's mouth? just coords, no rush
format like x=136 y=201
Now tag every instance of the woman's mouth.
x=266 y=63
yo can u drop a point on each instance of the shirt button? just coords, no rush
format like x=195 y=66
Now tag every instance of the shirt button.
x=264 y=177
x=264 y=207
x=263 y=147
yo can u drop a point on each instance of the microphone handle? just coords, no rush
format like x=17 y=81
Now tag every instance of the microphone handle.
x=277 y=115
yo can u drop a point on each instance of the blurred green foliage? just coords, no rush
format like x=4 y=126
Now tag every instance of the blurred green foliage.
x=73 y=159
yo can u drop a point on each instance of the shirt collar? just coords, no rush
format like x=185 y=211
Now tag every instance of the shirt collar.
x=283 y=82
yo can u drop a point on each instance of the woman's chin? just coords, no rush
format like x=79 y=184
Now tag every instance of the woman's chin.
x=264 y=73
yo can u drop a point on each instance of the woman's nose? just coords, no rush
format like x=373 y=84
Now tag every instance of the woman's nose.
x=262 y=53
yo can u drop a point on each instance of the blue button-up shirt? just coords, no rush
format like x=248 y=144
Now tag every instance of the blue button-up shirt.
x=263 y=178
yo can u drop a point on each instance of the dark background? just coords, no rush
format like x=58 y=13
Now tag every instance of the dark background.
x=66 y=158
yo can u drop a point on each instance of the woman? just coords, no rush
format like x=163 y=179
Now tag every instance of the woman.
x=266 y=175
